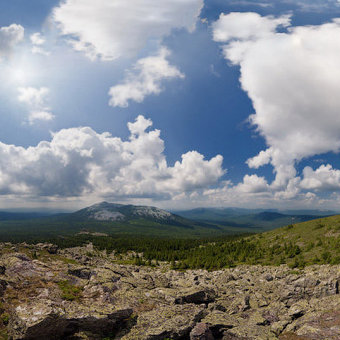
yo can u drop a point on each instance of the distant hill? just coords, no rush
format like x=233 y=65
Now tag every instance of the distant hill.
x=142 y=221
x=7 y=216
x=113 y=212
x=311 y=242
x=111 y=219
x=297 y=245
x=248 y=219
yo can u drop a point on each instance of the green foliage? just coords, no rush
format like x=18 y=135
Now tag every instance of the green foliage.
x=5 y=318
x=319 y=226
x=69 y=291
x=38 y=230
x=3 y=334
x=312 y=242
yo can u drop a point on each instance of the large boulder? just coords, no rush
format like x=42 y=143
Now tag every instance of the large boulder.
x=46 y=320
x=82 y=273
x=196 y=296
x=173 y=322
x=201 y=332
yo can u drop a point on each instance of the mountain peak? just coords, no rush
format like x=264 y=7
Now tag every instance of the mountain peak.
x=105 y=211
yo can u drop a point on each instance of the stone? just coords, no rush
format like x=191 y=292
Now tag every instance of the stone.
x=70 y=295
x=82 y=273
x=44 y=319
x=197 y=297
x=297 y=310
x=173 y=322
x=2 y=270
x=201 y=332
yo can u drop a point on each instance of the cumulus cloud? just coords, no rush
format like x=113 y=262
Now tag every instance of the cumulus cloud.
x=246 y=26
x=38 y=42
x=252 y=184
x=110 y=29
x=144 y=79
x=37 y=39
x=36 y=101
x=292 y=77
x=194 y=172
x=82 y=162
x=325 y=178
x=10 y=36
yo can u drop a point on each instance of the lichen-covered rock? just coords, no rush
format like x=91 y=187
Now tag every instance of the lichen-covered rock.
x=173 y=322
x=196 y=296
x=201 y=332
x=82 y=273
x=218 y=320
x=81 y=293
x=320 y=320
x=49 y=247
x=44 y=319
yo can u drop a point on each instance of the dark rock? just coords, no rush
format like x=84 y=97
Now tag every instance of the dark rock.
x=82 y=273
x=23 y=257
x=38 y=321
x=199 y=297
x=268 y=277
x=3 y=286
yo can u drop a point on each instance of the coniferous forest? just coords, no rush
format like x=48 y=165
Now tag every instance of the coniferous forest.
x=312 y=242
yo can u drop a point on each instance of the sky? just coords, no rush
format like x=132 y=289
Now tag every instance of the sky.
x=177 y=104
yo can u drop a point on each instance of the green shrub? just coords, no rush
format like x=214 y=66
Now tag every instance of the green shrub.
x=69 y=291
x=5 y=318
x=319 y=226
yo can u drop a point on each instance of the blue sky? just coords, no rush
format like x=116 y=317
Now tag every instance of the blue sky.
x=231 y=85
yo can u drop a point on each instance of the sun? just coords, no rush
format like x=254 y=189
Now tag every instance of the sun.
x=20 y=75
x=22 y=71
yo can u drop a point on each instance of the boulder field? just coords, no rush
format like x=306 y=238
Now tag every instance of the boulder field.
x=81 y=293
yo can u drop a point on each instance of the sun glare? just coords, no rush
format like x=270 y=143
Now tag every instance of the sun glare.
x=21 y=72
x=19 y=75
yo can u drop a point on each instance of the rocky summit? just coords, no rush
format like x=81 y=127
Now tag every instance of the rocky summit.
x=105 y=211
x=81 y=293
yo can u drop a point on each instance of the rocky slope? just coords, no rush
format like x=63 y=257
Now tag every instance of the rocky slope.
x=80 y=293
x=105 y=211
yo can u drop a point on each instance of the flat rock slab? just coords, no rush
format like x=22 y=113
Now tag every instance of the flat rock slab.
x=173 y=322
x=47 y=320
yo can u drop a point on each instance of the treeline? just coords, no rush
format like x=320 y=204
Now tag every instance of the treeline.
x=211 y=253
x=161 y=249
x=296 y=246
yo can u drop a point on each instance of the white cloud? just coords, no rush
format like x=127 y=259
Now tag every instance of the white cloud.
x=251 y=3
x=81 y=162
x=145 y=79
x=293 y=80
x=10 y=36
x=39 y=116
x=246 y=26
x=32 y=96
x=313 y=5
x=110 y=29
x=36 y=101
x=325 y=178
x=38 y=41
x=252 y=184
x=195 y=172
